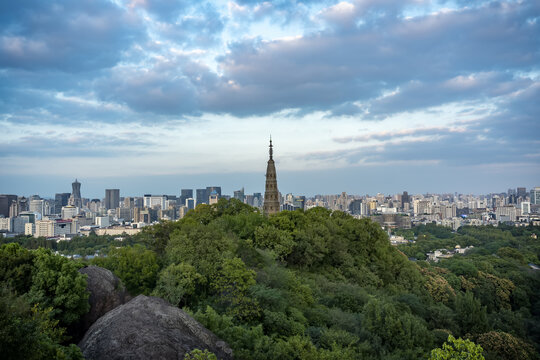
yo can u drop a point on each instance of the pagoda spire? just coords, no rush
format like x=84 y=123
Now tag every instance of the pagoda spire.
x=271 y=194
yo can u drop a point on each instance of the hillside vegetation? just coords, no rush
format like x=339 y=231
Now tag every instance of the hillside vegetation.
x=323 y=285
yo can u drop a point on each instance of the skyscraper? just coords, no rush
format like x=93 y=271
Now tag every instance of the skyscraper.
x=112 y=198
x=239 y=194
x=5 y=203
x=202 y=198
x=185 y=194
x=405 y=197
x=355 y=207
x=271 y=194
x=60 y=200
x=76 y=194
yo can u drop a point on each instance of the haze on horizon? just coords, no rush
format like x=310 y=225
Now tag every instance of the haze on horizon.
x=360 y=96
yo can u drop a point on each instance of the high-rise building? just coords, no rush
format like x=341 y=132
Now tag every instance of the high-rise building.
x=23 y=204
x=257 y=200
x=76 y=189
x=152 y=201
x=299 y=202
x=29 y=216
x=421 y=207
x=271 y=194
x=38 y=206
x=112 y=198
x=17 y=207
x=60 y=200
x=521 y=192
x=6 y=224
x=44 y=228
x=342 y=202
x=19 y=223
x=535 y=196
x=94 y=205
x=182 y=211
x=146 y=215
x=129 y=202
x=137 y=215
x=202 y=198
x=168 y=214
x=138 y=202
x=69 y=212
x=405 y=199
x=448 y=211
x=239 y=194
x=124 y=213
x=75 y=199
x=506 y=213
x=29 y=229
x=5 y=203
x=171 y=200
x=185 y=194
x=355 y=207
x=190 y=204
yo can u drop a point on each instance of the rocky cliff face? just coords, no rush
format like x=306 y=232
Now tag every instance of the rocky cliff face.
x=106 y=293
x=149 y=328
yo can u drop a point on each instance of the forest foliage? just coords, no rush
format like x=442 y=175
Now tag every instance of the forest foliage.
x=41 y=295
x=317 y=284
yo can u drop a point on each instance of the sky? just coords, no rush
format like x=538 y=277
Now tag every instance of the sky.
x=362 y=96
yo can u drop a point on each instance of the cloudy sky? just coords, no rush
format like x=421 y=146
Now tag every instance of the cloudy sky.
x=362 y=96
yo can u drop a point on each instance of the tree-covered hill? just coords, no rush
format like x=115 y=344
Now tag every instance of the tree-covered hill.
x=323 y=285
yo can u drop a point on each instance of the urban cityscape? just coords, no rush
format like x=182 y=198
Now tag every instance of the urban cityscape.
x=70 y=214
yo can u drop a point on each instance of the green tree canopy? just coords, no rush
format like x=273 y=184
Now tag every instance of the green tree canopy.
x=457 y=349
x=136 y=266
x=470 y=314
x=57 y=283
x=16 y=265
x=504 y=346
x=178 y=283
x=30 y=332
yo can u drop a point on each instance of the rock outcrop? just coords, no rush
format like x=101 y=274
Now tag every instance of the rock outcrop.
x=149 y=328
x=106 y=293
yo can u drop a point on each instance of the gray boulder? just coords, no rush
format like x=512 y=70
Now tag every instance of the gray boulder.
x=106 y=293
x=149 y=328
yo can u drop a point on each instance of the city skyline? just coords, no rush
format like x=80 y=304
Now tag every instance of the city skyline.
x=95 y=191
x=68 y=215
x=360 y=96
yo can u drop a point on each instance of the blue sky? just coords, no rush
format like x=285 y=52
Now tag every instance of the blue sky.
x=360 y=96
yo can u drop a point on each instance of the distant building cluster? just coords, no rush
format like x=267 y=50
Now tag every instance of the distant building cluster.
x=517 y=207
x=70 y=214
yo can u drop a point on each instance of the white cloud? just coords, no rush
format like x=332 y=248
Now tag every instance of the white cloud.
x=176 y=87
